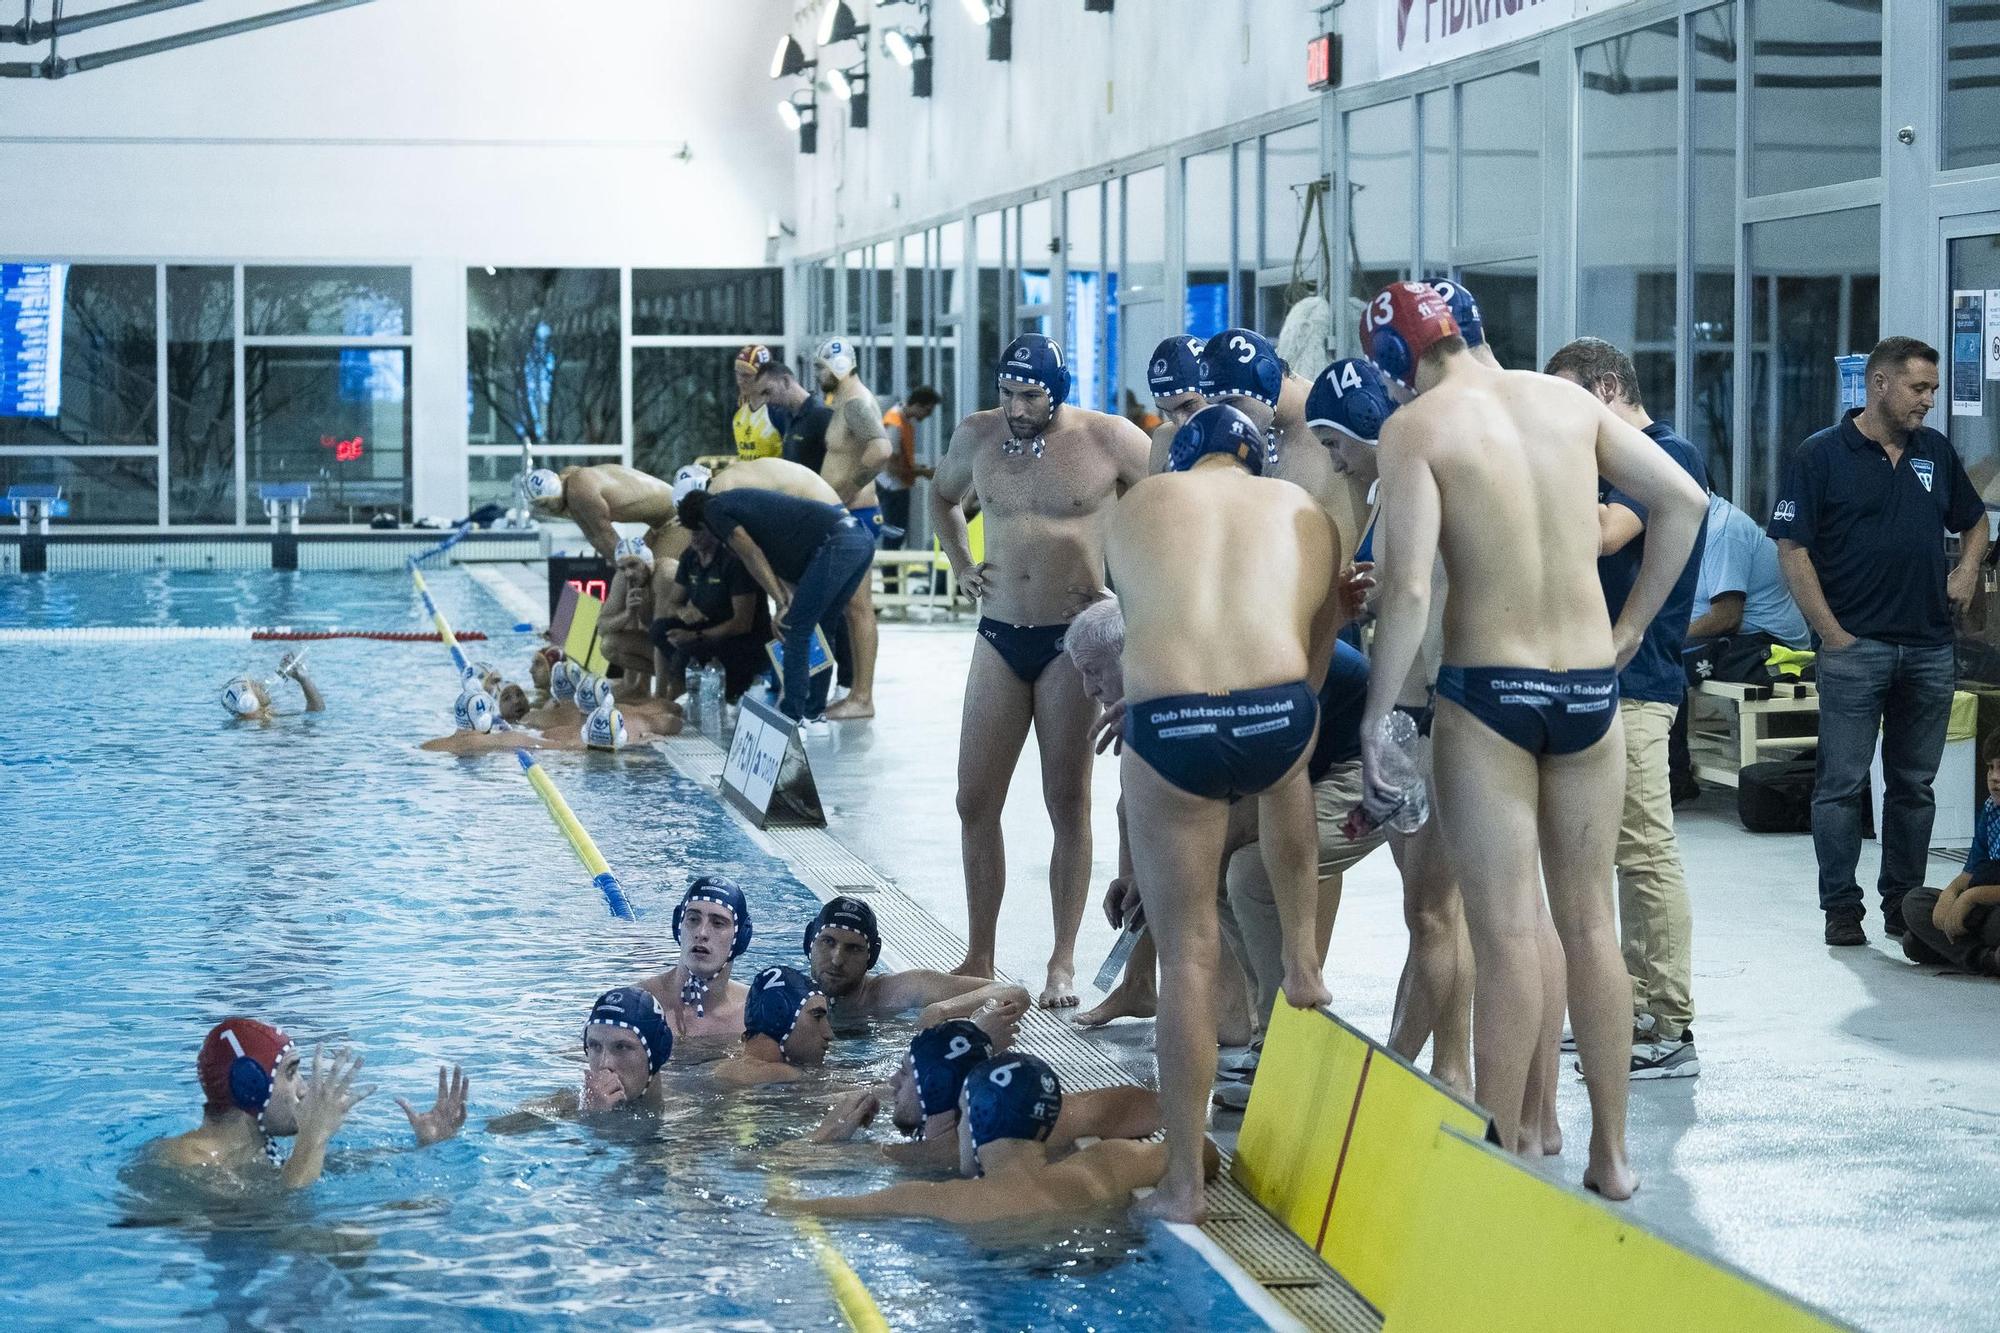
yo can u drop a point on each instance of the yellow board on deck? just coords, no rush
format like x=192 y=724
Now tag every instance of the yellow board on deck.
x=1337 y=1132
x=582 y=644
x=1507 y=1251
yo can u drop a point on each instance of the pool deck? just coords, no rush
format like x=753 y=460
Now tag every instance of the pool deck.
x=1840 y=1143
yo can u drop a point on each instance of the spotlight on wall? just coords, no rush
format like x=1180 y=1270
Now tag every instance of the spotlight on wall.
x=999 y=26
x=803 y=116
x=911 y=50
x=789 y=58
x=838 y=25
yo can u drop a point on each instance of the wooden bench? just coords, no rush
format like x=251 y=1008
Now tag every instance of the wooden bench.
x=918 y=585
x=1730 y=725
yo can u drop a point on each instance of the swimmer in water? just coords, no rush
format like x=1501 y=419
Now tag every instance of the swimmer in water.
x=712 y=926
x=924 y=1093
x=1008 y=1110
x=842 y=943
x=785 y=1027
x=249 y=700
x=253 y=1092
x=626 y=1042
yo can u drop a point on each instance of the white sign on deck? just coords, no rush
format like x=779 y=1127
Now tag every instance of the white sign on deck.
x=766 y=775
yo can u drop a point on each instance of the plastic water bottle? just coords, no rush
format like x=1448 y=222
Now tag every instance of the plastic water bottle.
x=711 y=699
x=1407 y=811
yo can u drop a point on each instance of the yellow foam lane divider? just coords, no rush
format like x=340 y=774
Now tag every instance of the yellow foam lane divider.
x=1337 y=1130
x=849 y=1292
x=1508 y=1251
x=586 y=850
x=437 y=619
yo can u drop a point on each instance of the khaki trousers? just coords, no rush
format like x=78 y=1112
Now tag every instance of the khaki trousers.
x=1655 y=923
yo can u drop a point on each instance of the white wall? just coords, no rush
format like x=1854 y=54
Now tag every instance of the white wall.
x=1082 y=89
x=433 y=133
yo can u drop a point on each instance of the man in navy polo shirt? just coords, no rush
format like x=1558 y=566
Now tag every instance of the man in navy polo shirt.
x=1860 y=525
x=1654 y=918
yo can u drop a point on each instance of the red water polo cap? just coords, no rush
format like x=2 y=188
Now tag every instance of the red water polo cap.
x=1405 y=320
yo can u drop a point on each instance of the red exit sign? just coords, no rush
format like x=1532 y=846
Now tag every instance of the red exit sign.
x=344 y=451
x=1323 y=61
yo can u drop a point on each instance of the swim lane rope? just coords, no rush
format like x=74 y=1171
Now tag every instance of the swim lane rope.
x=565 y=819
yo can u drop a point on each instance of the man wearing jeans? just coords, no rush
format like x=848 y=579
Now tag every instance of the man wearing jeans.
x=1860 y=525
x=810 y=557
x=1655 y=923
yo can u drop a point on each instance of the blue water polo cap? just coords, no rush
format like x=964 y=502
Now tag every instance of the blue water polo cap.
x=1012 y=1096
x=1220 y=429
x=1176 y=367
x=1351 y=396
x=1241 y=362
x=848 y=914
x=1036 y=358
x=724 y=893
x=635 y=1010
x=942 y=1056
x=777 y=996
x=1464 y=309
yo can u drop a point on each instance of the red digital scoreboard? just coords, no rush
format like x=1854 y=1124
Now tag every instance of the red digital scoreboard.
x=589 y=574
x=1323 y=62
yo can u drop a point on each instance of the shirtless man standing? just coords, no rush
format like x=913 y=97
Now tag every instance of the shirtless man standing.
x=1226 y=579
x=1174 y=376
x=595 y=497
x=1047 y=475
x=1498 y=471
x=857 y=447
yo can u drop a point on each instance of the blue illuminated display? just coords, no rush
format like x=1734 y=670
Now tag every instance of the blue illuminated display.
x=31 y=314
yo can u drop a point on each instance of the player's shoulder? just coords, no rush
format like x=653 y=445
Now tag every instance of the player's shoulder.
x=981 y=426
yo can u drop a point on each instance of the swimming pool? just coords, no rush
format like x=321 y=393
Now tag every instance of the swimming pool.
x=168 y=867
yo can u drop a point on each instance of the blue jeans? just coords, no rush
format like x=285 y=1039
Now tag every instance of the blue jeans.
x=1906 y=692
x=820 y=599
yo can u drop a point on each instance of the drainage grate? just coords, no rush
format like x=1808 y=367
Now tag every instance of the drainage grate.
x=1279 y=1261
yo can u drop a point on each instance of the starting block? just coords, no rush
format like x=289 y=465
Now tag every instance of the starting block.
x=34 y=503
x=283 y=502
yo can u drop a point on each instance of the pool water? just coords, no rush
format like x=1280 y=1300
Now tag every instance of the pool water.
x=168 y=867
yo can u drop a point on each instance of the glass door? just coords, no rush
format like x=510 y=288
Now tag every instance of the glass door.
x=1969 y=398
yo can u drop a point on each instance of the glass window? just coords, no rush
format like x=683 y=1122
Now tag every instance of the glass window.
x=1248 y=195
x=826 y=279
x=1083 y=334
x=1140 y=318
x=1815 y=286
x=950 y=258
x=97 y=490
x=1627 y=193
x=338 y=417
x=1291 y=162
x=109 y=339
x=1205 y=217
x=1975 y=265
x=1971 y=85
x=542 y=349
x=915 y=283
x=1380 y=182
x=712 y=301
x=1500 y=156
x=1815 y=93
x=882 y=289
x=986 y=262
x=1509 y=293
x=1434 y=113
x=682 y=402
x=1037 y=245
x=1707 y=418
x=856 y=269
x=1144 y=272
x=323 y=301
x=201 y=395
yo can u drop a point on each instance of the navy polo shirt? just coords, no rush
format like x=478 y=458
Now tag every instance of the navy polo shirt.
x=1876 y=531
x=788 y=530
x=1655 y=674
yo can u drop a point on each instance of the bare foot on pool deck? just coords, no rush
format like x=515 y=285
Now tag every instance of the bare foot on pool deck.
x=850 y=709
x=1613 y=1179
x=1304 y=987
x=1127 y=1000
x=975 y=967
x=1060 y=993
x=1552 y=1140
x=1175 y=1205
